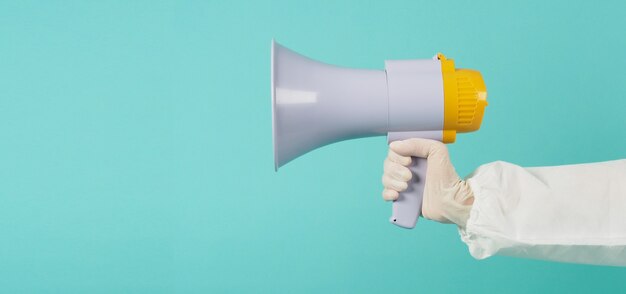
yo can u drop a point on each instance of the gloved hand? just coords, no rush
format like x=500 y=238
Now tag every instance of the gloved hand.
x=447 y=198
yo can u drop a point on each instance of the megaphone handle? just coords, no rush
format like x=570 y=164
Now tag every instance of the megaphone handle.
x=408 y=207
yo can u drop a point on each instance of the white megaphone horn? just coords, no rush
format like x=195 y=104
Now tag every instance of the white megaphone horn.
x=315 y=104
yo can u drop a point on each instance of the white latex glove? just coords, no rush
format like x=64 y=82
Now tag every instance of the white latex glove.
x=447 y=198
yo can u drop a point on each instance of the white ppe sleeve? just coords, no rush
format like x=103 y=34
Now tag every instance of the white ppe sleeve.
x=571 y=213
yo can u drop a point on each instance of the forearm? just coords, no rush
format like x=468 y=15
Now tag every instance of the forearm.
x=573 y=213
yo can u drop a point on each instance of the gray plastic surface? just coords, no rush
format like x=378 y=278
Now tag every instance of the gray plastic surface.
x=407 y=209
x=315 y=104
x=415 y=90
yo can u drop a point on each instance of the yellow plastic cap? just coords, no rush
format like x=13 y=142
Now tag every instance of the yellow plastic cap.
x=465 y=99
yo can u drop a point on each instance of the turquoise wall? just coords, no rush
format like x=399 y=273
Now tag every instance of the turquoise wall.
x=136 y=151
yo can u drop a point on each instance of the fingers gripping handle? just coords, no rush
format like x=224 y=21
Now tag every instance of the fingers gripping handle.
x=408 y=207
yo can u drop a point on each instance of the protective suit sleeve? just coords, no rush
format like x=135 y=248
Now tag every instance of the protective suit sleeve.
x=572 y=213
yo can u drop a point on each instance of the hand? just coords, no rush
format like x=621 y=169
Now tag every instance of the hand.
x=447 y=198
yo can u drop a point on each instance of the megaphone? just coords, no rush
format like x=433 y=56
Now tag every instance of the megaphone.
x=316 y=104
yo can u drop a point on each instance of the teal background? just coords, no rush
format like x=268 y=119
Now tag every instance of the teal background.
x=136 y=152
